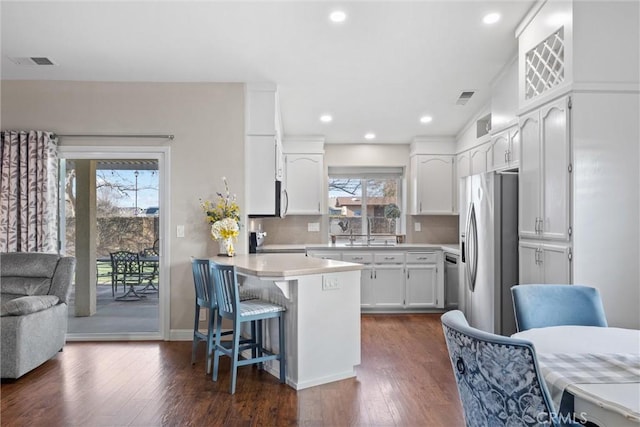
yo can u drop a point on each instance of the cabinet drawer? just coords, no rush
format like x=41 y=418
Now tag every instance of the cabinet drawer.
x=422 y=257
x=359 y=257
x=389 y=258
x=327 y=255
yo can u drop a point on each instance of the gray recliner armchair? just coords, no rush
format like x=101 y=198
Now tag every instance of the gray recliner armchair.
x=34 y=290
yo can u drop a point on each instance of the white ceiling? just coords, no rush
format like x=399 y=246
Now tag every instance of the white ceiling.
x=388 y=64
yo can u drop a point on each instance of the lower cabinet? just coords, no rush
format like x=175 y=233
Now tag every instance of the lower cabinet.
x=542 y=263
x=367 y=299
x=396 y=281
x=388 y=285
x=422 y=290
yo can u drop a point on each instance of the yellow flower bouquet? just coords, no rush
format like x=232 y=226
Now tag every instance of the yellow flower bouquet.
x=224 y=217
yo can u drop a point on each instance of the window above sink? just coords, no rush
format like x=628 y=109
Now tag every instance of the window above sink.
x=365 y=205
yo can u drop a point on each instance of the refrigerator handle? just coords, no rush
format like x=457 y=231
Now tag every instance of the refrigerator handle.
x=472 y=255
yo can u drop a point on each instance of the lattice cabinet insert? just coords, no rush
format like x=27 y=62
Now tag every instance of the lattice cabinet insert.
x=544 y=66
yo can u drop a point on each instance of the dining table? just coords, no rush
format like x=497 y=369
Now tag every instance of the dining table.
x=597 y=369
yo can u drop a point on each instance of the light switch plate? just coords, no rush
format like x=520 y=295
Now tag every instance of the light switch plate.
x=417 y=226
x=313 y=226
x=180 y=231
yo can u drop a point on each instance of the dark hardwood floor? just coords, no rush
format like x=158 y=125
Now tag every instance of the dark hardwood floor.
x=405 y=379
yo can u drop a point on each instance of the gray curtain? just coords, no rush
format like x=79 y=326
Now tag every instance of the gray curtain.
x=28 y=191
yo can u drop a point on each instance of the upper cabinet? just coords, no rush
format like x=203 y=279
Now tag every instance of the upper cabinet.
x=545 y=171
x=463 y=167
x=305 y=176
x=434 y=184
x=262 y=110
x=504 y=152
x=479 y=158
x=264 y=169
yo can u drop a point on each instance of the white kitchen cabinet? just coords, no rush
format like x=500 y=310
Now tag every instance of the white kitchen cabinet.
x=422 y=286
x=545 y=171
x=433 y=179
x=542 y=263
x=424 y=280
x=261 y=173
x=266 y=189
x=367 y=296
x=388 y=286
x=505 y=150
x=479 y=159
x=463 y=166
x=395 y=280
x=326 y=255
x=263 y=116
x=305 y=183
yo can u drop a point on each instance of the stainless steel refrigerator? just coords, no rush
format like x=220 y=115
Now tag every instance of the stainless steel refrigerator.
x=489 y=246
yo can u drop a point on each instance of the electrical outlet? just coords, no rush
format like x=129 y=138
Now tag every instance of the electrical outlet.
x=417 y=226
x=203 y=314
x=313 y=226
x=330 y=283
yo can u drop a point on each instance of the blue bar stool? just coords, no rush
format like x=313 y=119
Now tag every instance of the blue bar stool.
x=230 y=307
x=206 y=298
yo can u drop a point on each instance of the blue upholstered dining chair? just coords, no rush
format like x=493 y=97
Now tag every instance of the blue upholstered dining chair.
x=540 y=306
x=498 y=378
x=230 y=307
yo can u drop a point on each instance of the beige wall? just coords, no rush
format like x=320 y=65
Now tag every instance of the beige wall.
x=206 y=119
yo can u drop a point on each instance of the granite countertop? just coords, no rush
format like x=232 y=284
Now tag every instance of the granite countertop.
x=284 y=265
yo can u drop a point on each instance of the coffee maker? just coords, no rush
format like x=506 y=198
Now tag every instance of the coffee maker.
x=256 y=239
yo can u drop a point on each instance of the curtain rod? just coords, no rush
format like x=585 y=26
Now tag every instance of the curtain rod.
x=169 y=137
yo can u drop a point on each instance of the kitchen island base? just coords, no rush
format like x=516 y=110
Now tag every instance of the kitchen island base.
x=322 y=321
x=322 y=325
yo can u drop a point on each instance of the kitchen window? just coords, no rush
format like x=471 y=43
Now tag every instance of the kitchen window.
x=365 y=203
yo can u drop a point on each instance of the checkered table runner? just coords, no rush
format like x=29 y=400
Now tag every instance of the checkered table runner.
x=562 y=370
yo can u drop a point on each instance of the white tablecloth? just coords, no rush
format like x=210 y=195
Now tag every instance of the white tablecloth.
x=580 y=343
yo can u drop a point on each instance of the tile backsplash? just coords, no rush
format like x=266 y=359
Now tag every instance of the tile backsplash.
x=294 y=229
x=434 y=229
x=291 y=229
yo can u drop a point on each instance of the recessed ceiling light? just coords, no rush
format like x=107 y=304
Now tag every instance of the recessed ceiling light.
x=491 y=18
x=369 y=135
x=338 y=16
x=326 y=118
x=426 y=119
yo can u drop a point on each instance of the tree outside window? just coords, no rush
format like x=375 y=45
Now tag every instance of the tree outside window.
x=361 y=204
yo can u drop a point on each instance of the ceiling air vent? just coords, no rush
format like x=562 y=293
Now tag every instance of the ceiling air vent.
x=464 y=97
x=32 y=60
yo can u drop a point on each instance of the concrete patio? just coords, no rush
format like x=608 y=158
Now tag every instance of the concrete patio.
x=113 y=316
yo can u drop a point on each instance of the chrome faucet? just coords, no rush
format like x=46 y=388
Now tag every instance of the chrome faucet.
x=351 y=237
x=369 y=225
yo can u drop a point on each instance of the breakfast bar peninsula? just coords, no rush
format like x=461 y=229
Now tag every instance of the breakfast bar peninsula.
x=322 y=321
